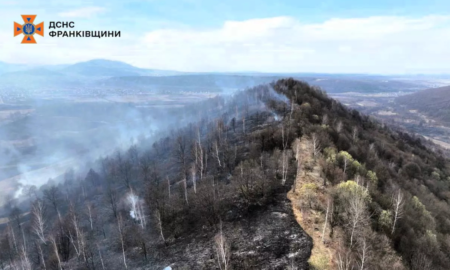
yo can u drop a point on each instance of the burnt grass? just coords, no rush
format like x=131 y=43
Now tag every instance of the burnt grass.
x=265 y=237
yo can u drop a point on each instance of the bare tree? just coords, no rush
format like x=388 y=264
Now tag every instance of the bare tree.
x=397 y=205
x=339 y=126
x=222 y=249
x=181 y=155
x=89 y=208
x=194 y=177
x=216 y=153
x=24 y=261
x=185 y=190
x=357 y=214
x=111 y=196
x=317 y=147
x=160 y=225
x=101 y=257
x=326 y=221
x=355 y=134
x=296 y=147
x=55 y=250
x=125 y=169
x=168 y=186
x=122 y=240
x=41 y=256
x=345 y=163
x=144 y=165
x=53 y=196
x=344 y=261
x=199 y=154
x=284 y=155
x=284 y=166
x=38 y=221
x=363 y=253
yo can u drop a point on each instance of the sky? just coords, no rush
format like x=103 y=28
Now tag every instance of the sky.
x=346 y=36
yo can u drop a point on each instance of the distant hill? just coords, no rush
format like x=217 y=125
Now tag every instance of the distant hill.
x=38 y=79
x=216 y=82
x=6 y=67
x=104 y=75
x=108 y=68
x=194 y=83
x=434 y=102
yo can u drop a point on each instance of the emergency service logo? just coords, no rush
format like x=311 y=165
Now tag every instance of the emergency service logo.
x=28 y=29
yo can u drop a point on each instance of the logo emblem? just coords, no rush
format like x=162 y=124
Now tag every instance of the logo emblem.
x=28 y=29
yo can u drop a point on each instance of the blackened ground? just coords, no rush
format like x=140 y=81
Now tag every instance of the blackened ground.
x=268 y=238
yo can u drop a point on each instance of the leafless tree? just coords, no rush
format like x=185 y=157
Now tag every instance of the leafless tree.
x=397 y=205
x=284 y=166
x=296 y=147
x=357 y=214
x=41 y=256
x=194 y=177
x=111 y=196
x=222 y=249
x=181 y=155
x=339 y=126
x=38 y=222
x=12 y=237
x=25 y=263
x=168 y=186
x=144 y=165
x=363 y=253
x=125 y=168
x=122 y=240
x=198 y=151
x=345 y=163
x=344 y=261
x=185 y=190
x=55 y=250
x=53 y=196
x=160 y=225
x=317 y=147
x=101 y=257
x=326 y=221
x=216 y=153
x=89 y=208
x=355 y=134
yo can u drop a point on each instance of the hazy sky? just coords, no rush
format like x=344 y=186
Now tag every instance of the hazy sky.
x=383 y=36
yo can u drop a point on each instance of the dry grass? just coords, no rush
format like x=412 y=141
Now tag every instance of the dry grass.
x=311 y=220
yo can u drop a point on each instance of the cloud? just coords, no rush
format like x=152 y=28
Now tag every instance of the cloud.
x=383 y=44
x=283 y=44
x=85 y=12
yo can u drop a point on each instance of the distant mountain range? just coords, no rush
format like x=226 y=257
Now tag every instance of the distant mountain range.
x=107 y=75
x=92 y=68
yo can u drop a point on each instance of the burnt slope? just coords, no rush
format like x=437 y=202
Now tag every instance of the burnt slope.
x=227 y=175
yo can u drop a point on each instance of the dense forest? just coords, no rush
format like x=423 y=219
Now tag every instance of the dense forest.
x=239 y=189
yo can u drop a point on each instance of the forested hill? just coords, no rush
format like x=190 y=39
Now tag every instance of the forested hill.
x=433 y=102
x=213 y=195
